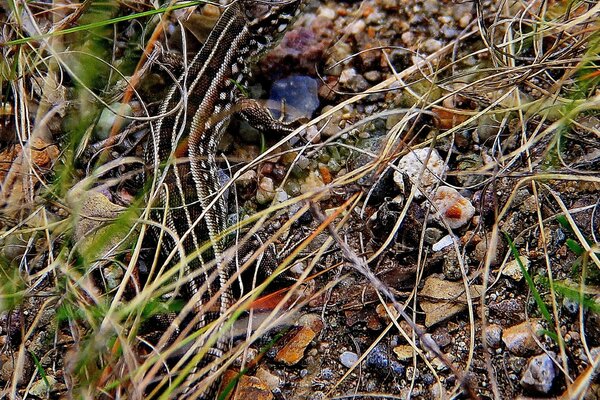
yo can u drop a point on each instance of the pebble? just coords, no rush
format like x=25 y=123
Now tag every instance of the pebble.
x=412 y=163
x=353 y=81
x=452 y=208
x=442 y=243
x=272 y=381
x=539 y=374
x=482 y=247
x=570 y=305
x=513 y=270
x=520 y=339
x=293 y=350
x=299 y=93
x=348 y=359
x=357 y=27
x=372 y=76
x=266 y=191
x=313 y=183
x=432 y=45
x=246 y=180
x=379 y=361
x=442 y=299
x=451 y=266
x=404 y=352
x=432 y=236
x=326 y=12
x=493 y=335
x=252 y=388
x=41 y=388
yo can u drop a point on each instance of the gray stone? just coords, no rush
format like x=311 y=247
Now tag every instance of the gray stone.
x=540 y=374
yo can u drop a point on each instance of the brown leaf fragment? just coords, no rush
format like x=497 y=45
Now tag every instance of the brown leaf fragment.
x=443 y=299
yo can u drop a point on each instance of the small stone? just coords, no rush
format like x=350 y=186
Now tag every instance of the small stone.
x=312 y=321
x=293 y=350
x=353 y=81
x=451 y=267
x=432 y=236
x=540 y=374
x=379 y=361
x=298 y=268
x=521 y=339
x=266 y=191
x=357 y=27
x=481 y=249
x=399 y=181
x=246 y=180
x=432 y=45
x=348 y=359
x=298 y=93
x=493 y=335
x=303 y=162
x=412 y=164
x=108 y=117
x=327 y=374
x=326 y=12
x=443 y=243
x=347 y=75
x=452 y=208
x=404 y=352
x=570 y=305
x=272 y=381
x=513 y=270
x=314 y=183
x=252 y=388
x=372 y=76
x=41 y=388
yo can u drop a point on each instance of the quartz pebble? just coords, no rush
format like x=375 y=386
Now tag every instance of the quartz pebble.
x=348 y=359
x=412 y=165
x=452 y=208
x=442 y=243
x=266 y=191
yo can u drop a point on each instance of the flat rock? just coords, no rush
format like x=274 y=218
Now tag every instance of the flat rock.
x=293 y=350
x=252 y=388
x=441 y=299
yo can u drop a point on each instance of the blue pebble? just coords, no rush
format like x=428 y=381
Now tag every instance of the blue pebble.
x=299 y=93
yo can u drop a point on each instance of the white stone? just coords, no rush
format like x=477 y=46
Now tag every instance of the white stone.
x=451 y=208
x=348 y=359
x=412 y=164
x=442 y=243
x=513 y=270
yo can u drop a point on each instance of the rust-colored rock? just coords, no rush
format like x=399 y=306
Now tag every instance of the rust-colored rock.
x=252 y=388
x=293 y=350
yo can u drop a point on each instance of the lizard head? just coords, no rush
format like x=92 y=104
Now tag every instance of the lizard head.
x=269 y=19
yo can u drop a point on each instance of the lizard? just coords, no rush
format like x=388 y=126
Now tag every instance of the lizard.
x=181 y=157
